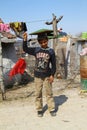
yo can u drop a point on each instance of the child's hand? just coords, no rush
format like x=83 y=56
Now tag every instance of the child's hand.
x=51 y=79
x=25 y=36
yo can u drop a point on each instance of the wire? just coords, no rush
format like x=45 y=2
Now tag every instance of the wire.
x=37 y=21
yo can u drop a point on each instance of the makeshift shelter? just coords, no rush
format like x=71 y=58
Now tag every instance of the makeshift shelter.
x=9 y=59
x=8 y=56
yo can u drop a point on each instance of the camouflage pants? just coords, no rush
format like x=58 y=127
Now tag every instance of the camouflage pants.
x=39 y=84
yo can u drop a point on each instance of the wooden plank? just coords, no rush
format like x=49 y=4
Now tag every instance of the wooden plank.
x=1 y=73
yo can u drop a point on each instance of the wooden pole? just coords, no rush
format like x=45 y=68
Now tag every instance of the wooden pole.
x=55 y=30
x=67 y=59
x=1 y=73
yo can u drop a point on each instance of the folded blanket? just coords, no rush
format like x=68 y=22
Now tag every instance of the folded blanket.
x=4 y=27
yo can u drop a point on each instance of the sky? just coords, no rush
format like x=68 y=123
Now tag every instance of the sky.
x=36 y=12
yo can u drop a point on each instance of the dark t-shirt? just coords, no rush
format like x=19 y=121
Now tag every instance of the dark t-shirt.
x=45 y=64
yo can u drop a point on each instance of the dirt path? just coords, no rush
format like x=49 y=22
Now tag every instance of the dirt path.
x=18 y=111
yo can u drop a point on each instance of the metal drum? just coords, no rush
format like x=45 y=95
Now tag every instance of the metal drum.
x=83 y=71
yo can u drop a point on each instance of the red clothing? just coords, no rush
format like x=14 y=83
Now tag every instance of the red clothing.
x=19 y=67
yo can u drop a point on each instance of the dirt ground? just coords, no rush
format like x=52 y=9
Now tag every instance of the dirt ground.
x=18 y=111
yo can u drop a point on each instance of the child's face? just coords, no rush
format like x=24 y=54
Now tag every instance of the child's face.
x=43 y=43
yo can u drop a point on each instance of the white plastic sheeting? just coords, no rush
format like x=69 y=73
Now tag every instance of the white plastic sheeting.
x=9 y=60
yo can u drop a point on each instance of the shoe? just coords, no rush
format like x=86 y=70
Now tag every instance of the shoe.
x=52 y=113
x=40 y=113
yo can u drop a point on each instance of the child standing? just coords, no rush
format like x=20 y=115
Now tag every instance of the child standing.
x=45 y=68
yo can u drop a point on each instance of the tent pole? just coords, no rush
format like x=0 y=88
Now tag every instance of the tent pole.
x=1 y=74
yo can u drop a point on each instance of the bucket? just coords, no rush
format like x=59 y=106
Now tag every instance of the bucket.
x=83 y=71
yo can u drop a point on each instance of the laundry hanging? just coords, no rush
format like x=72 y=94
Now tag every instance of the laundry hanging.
x=19 y=28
